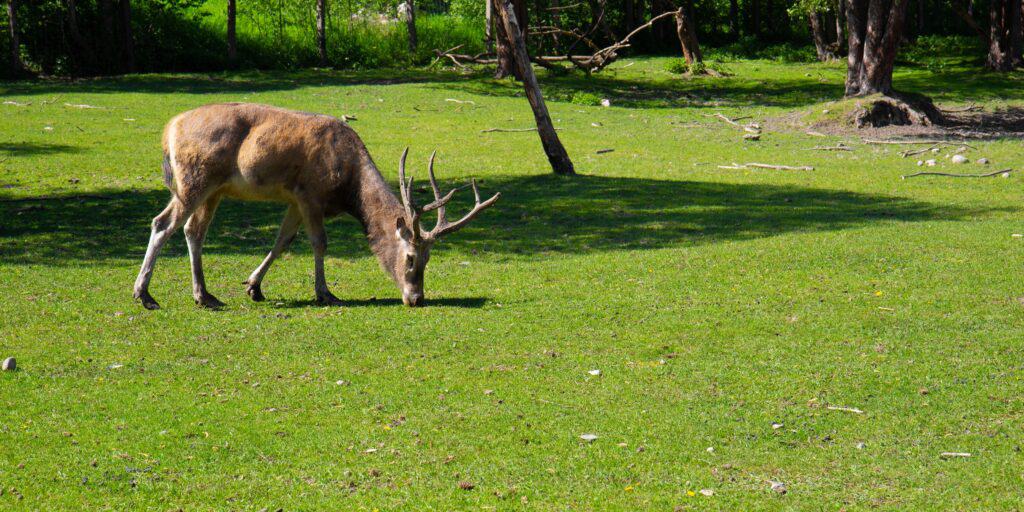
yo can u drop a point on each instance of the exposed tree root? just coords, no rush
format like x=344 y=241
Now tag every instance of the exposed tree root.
x=896 y=109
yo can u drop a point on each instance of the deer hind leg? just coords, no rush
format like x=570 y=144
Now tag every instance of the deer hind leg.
x=314 y=220
x=195 y=235
x=285 y=236
x=163 y=226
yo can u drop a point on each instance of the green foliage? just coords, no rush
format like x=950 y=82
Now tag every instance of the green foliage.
x=752 y=48
x=934 y=51
x=714 y=301
x=585 y=98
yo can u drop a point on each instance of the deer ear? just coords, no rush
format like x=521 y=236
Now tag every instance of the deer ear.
x=402 y=230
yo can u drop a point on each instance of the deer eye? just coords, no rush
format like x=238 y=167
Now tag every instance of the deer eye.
x=410 y=260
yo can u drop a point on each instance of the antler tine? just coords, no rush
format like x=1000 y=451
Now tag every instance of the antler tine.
x=405 y=189
x=439 y=201
x=444 y=227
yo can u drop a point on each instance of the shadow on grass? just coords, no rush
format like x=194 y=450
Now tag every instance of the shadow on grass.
x=19 y=149
x=538 y=215
x=450 y=302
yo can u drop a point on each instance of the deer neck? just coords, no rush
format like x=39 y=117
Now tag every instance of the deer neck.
x=377 y=208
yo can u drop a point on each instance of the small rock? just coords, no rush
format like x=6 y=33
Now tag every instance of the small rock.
x=779 y=487
x=707 y=492
x=860 y=445
x=930 y=162
x=982 y=161
x=920 y=163
x=342 y=382
x=115 y=366
x=1005 y=175
x=488 y=391
x=590 y=438
x=935 y=150
x=606 y=102
x=595 y=373
x=10 y=364
x=710 y=449
x=959 y=159
x=777 y=425
x=825 y=111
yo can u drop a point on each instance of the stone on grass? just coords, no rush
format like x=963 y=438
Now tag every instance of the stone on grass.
x=10 y=364
x=959 y=159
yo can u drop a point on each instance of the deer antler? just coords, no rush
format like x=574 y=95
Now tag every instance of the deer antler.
x=443 y=227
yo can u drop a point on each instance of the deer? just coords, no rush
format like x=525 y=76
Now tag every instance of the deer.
x=316 y=165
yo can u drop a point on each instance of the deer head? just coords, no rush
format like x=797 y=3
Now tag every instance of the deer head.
x=414 y=241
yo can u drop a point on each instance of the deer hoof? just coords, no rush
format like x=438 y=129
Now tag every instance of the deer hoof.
x=328 y=299
x=147 y=300
x=209 y=301
x=255 y=292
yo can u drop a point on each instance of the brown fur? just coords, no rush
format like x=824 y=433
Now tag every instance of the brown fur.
x=314 y=163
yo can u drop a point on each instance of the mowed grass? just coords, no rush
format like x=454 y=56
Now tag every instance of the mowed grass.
x=714 y=302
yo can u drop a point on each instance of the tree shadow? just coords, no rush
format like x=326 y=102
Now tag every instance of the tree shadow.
x=537 y=215
x=18 y=149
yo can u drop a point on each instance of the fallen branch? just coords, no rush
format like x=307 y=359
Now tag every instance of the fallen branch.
x=955 y=175
x=953 y=455
x=82 y=105
x=508 y=130
x=933 y=142
x=845 y=409
x=756 y=165
x=16 y=104
x=603 y=151
x=912 y=152
x=838 y=147
x=750 y=127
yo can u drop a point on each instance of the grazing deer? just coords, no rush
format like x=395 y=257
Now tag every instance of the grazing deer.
x=315 y=164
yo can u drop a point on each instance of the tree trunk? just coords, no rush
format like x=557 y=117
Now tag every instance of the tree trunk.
x=875 y=28
x=489 y=26
x=506 y=51
x=232 y=36
x=127 y=39
x=17 y=67
x=410 y=23
x=1004 y=40
x=599 y=19
x=556 y=153
x=109 y=50
x=840 y=17
x=755 y=12
x=734 y=14
x=821 y=45
x=968 y=18
x=321 y=31
x=630 y=18
x=84 y=58
x=687 y=33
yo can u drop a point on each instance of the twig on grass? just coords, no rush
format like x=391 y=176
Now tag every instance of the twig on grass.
x=954 y=455
x=767 y=166
x=508 y=130
x=837 y=147
x=845 y=409
x=751 y=127
x=955 y=175
x=923 y=141
x=603 y=151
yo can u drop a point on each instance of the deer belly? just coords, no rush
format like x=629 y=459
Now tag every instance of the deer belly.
x=253 y=186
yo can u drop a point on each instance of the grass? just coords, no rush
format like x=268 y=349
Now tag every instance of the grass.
x=715 y=303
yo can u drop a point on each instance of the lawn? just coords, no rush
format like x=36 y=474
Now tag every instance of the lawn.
x=732 y=314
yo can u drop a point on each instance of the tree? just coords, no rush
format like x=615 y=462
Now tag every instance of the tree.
x=1004 y=38
x=506 y=52
x=321 y=31
x=17 y=67
x=687 y=33
x=821 y=44
x=84 y=57
x=875 y=27
x=231 y=36
x=556 y=153
x=410 y=23
x=127 y=39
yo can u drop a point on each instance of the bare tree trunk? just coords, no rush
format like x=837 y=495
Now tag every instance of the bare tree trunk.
x=321 y=31
x=489 y=27
x=1004 y=40
x=821 y=45
x=875 y=27
x=840 y=17
x=687 y=33
x=232 y=36
x=410 y=22
x=17 y=67
x=506 y=52
x=734 y=15
x=556 y=153
x=127 y=38
x=85 y=59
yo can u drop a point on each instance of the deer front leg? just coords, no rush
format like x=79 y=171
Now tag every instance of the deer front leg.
x=195 y=235
x=285 y=236
x=318 y=239
x=163 y=226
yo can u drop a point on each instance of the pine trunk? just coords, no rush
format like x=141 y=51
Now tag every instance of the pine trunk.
x=321 y=31
x=127 y=38
x=232 y=36
x=17 y=68
x=556 y=153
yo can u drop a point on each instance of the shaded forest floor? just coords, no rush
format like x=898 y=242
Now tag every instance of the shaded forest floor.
x=736 y=315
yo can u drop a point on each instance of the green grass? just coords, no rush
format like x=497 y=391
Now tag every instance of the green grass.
x=715 y=303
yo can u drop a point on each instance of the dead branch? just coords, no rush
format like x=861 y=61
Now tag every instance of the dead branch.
x=750 y=127
x=603 y=151
x=565 y=7
x=955 y=175
x=508 y=130
x=756 y=165
x=912 y=152
x=837 y=147
x=845 y=409
x=914 y=141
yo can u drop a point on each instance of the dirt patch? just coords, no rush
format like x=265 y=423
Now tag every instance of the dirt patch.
x=854 y=117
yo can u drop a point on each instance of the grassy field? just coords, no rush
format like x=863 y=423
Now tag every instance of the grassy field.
x=727 y=310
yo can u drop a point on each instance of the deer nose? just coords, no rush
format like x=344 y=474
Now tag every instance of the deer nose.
x=413 y=299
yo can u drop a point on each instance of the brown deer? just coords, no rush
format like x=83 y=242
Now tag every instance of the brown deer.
x=318 y=166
